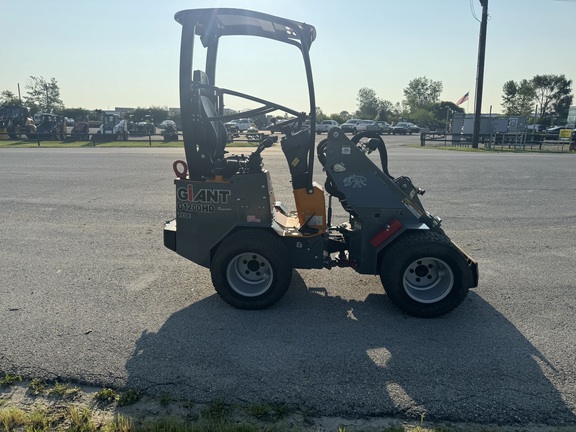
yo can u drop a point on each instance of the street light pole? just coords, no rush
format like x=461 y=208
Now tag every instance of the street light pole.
x=480 y=73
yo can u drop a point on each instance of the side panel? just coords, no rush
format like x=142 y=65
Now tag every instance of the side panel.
x=373 y=200
x=306 y=252
x=206 y=211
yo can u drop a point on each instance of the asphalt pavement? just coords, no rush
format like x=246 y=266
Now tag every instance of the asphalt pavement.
x=88 y=293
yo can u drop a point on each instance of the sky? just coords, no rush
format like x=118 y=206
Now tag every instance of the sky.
x=125 y=53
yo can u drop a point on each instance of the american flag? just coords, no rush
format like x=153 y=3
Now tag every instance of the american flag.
x=462 y=99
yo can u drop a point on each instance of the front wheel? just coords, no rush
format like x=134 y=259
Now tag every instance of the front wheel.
x=425 y=274
x=251 y=269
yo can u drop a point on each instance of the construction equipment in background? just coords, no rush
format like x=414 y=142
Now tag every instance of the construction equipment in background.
x=112 y=129
x=51 y=127
x=16 y=121
x=144 y=127
x=80 y=131
x=169 y=130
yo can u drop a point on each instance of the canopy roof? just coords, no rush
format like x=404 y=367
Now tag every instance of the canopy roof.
x=217 y=22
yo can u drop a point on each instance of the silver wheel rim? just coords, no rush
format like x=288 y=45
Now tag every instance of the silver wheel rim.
x=428 y=280
x=249 y=274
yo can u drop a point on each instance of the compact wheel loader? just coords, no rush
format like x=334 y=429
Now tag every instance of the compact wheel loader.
x=228 y=220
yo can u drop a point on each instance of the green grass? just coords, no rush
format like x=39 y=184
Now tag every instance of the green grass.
x=124 y=144
x=9 y=380
x=129 y=397
x=63 y=390
x=218 y=416
x=37 y=386
x=106 y=396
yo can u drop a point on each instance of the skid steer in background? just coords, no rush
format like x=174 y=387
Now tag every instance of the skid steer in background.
x=227 y=218
x=112 y=129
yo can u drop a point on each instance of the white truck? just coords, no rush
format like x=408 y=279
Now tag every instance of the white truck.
x=325 y=126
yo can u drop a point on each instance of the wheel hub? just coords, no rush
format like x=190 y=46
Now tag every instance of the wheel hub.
x=249 y=274
x=428 y=280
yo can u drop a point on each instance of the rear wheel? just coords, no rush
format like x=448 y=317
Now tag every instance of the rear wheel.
x=251 y=269
x=424 y=274
x=14 y=133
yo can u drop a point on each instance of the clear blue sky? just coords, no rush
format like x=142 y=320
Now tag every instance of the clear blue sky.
x=125 y=53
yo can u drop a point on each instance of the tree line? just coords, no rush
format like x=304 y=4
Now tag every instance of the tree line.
x=547 y=98
x=544 y=98
x=44 y=96
x=421 y=105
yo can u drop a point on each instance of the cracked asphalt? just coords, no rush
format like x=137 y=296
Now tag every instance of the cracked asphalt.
x=88 y=293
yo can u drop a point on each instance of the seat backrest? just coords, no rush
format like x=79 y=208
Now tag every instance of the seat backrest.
x=213 y=134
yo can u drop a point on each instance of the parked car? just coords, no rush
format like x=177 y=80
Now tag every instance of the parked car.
x=350 y=125
x=245 y=124
x=367 y=126
x=384 y=127
x=326 y=125
x=403 y=128
x=554 y=130
x=232 y=127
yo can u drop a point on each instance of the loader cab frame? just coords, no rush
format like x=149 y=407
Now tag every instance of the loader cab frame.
x=202 y=102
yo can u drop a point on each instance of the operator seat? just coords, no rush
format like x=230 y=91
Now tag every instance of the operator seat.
x=212 y=135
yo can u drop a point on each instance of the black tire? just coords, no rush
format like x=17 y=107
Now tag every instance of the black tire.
x=14 y=133
x=424 y=274
x=251 y=269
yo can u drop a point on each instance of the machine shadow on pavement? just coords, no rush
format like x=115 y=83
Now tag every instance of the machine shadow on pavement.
x=351 y=358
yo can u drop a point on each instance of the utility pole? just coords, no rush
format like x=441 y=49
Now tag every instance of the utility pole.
x=480 y=73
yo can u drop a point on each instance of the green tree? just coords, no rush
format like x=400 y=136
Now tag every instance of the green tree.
x=553 y=94
x=423 y=117
x=159 y=114
x=345 y=115
x=422 y=93
x=338 y=117
x=43 y=95
x=385 y=110
x=399 y=112
x=518 y=98
x=320 y=116
x=368 y=104
x=442 y=111
x=9 y=98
